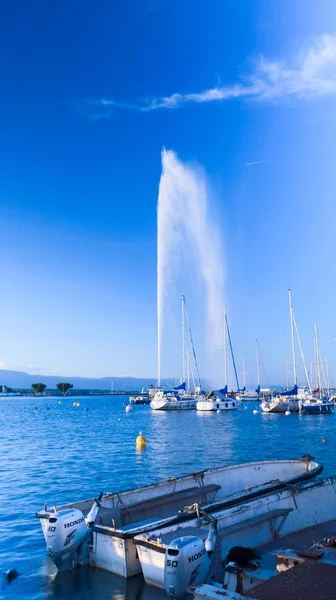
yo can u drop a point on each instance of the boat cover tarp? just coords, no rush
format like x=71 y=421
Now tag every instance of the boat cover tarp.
x=292 y=392
x=182 y=386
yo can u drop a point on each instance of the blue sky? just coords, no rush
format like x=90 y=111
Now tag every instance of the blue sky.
x=91 y=92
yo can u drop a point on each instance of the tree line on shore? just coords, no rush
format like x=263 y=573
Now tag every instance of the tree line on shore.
x=64 y=387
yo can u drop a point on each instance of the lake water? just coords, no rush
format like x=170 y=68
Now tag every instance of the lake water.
x=68 y=453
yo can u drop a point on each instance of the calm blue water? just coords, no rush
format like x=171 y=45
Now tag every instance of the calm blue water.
x=67 y=453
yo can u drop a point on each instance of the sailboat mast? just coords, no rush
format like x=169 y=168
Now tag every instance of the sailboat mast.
x=292 y=332
x=287 y=373
x=323 y=373
x=301 y=351
x=183 y=343
x=231 y=350
x=244 y=372
x=188 y=370
x=317 y=368
x=327 y=372
x=225 y=346
x=257 y=367
x=191 y=342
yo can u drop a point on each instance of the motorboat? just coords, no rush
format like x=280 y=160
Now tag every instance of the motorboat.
x=142 y=399
x=254 y=521
x=100 y=531
x=291 y=536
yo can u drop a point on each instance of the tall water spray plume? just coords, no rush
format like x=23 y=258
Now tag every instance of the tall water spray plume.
x=185 y=228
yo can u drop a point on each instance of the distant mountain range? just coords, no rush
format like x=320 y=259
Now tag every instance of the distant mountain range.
x=19 y=379
x=22 y=380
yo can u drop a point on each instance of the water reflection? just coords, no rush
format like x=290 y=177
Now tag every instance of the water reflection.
x=95 y=584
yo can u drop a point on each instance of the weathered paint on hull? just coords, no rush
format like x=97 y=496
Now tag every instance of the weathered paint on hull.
x=312 y=504
x=115 y=555
x=113 y=547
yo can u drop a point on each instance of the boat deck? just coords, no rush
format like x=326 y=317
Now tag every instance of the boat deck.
x=299 y=541
x=313 y=578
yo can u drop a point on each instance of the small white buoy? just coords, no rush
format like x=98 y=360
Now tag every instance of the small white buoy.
x=288 y=412
x=128 y=407
x=256 y=412
x=218 y=411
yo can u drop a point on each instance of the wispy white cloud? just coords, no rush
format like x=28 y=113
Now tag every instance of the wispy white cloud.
x=310 y=73
x=256 y=162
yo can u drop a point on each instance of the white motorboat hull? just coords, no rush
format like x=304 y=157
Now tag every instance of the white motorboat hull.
x=219 y=405
x=312 y=503
x=124 y=515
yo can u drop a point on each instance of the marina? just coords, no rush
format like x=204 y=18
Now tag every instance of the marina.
x=132 y=468
x=167 y=419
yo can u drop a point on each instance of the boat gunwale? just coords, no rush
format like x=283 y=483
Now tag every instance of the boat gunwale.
x=215 y=506
x=303 y=459
x=159 y=546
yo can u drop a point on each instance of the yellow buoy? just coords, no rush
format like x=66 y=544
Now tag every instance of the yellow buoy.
x=60 y=402
x=141 y=441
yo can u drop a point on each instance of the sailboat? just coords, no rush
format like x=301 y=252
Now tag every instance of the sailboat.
x=180 y=397
x=317 y=403
x=218 y=400
x=246 y=395
x=288 y=401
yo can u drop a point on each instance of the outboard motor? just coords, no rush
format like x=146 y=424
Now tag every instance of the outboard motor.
x=91 y=516
x=187 y=562
x=68 y=534
x=65 y=534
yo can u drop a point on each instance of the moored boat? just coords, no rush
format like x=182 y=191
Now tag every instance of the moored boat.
x=287 y=401
x=292 y=530
x=247 y=396
x=172 y=400
x=154 y=546
x=101 y=532
x=141 y=399
x=181 y=397
x=316 y=406
x=217 y=400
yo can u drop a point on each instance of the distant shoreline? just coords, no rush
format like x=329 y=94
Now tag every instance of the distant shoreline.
x=17 y=393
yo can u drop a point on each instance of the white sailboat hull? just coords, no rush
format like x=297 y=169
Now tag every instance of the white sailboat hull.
x=214 y=406
x=278 y=405
x=163 y=404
